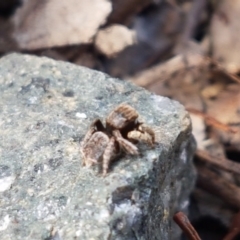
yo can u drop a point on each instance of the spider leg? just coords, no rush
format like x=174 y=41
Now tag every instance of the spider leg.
x=110 y=152
x=88 y=135
x=88 y=162
x=142 y=134
x=149 y=131
x=95 y=126
x=94 y=148
x=125 y=144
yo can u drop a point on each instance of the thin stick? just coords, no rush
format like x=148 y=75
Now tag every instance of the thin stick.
x=163 y=72
x=183 y=222
x=214 y=184
x=212 y=121
x=234 y=228
x=233 y=76
x=222 y=163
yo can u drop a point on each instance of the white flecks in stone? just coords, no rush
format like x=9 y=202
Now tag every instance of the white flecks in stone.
x=30 y=192
x=7 y=79
x=5 y=183
x=152 y=155
x=32 y=100
x=81 y=115
x=164 y=104
x=89 y=204
x=166 y=197
x=184 y=205
x=183 y=155
x=87 y=226
x=123 y=207
x=49 y=218
x=42 y=211
x=135 y=166
x=136 y=195
x=157 y=98
x=104 y=214
x=4 y=222
x=178 y=186
x=78 y=233
x=45 y=168
x=36 y=73
x=9 y=120
x=61 y=123
x=56 y=72
x=123 y=172
x=165 y=214
x=22 y=72
x=130 y=211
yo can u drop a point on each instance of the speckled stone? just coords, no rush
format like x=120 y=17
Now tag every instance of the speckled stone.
x=46 y=108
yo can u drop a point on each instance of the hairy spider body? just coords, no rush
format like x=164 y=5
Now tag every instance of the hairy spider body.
x=122 y=130
x=121 y=116
x=127 y=146
x=110 y=152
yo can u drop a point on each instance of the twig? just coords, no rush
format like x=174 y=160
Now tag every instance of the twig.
x=222 y=163
x=175 y=65
x=214 y=184
x=183 y=222
x=212 y=121
x=163 y=72
x=233 y=76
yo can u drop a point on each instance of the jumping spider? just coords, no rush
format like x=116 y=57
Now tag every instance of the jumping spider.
x=122 y=131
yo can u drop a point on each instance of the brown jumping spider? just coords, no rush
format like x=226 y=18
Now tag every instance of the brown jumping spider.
x=121 y=132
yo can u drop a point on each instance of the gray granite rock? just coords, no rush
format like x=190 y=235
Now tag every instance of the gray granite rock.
x=46 y=107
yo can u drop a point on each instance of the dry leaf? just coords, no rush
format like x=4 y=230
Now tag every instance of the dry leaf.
x=114 y=39
x=225 y=35
x=224 y=107
x=42 y=24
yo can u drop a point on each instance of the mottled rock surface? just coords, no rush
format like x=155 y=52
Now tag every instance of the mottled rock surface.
x=46 y=108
